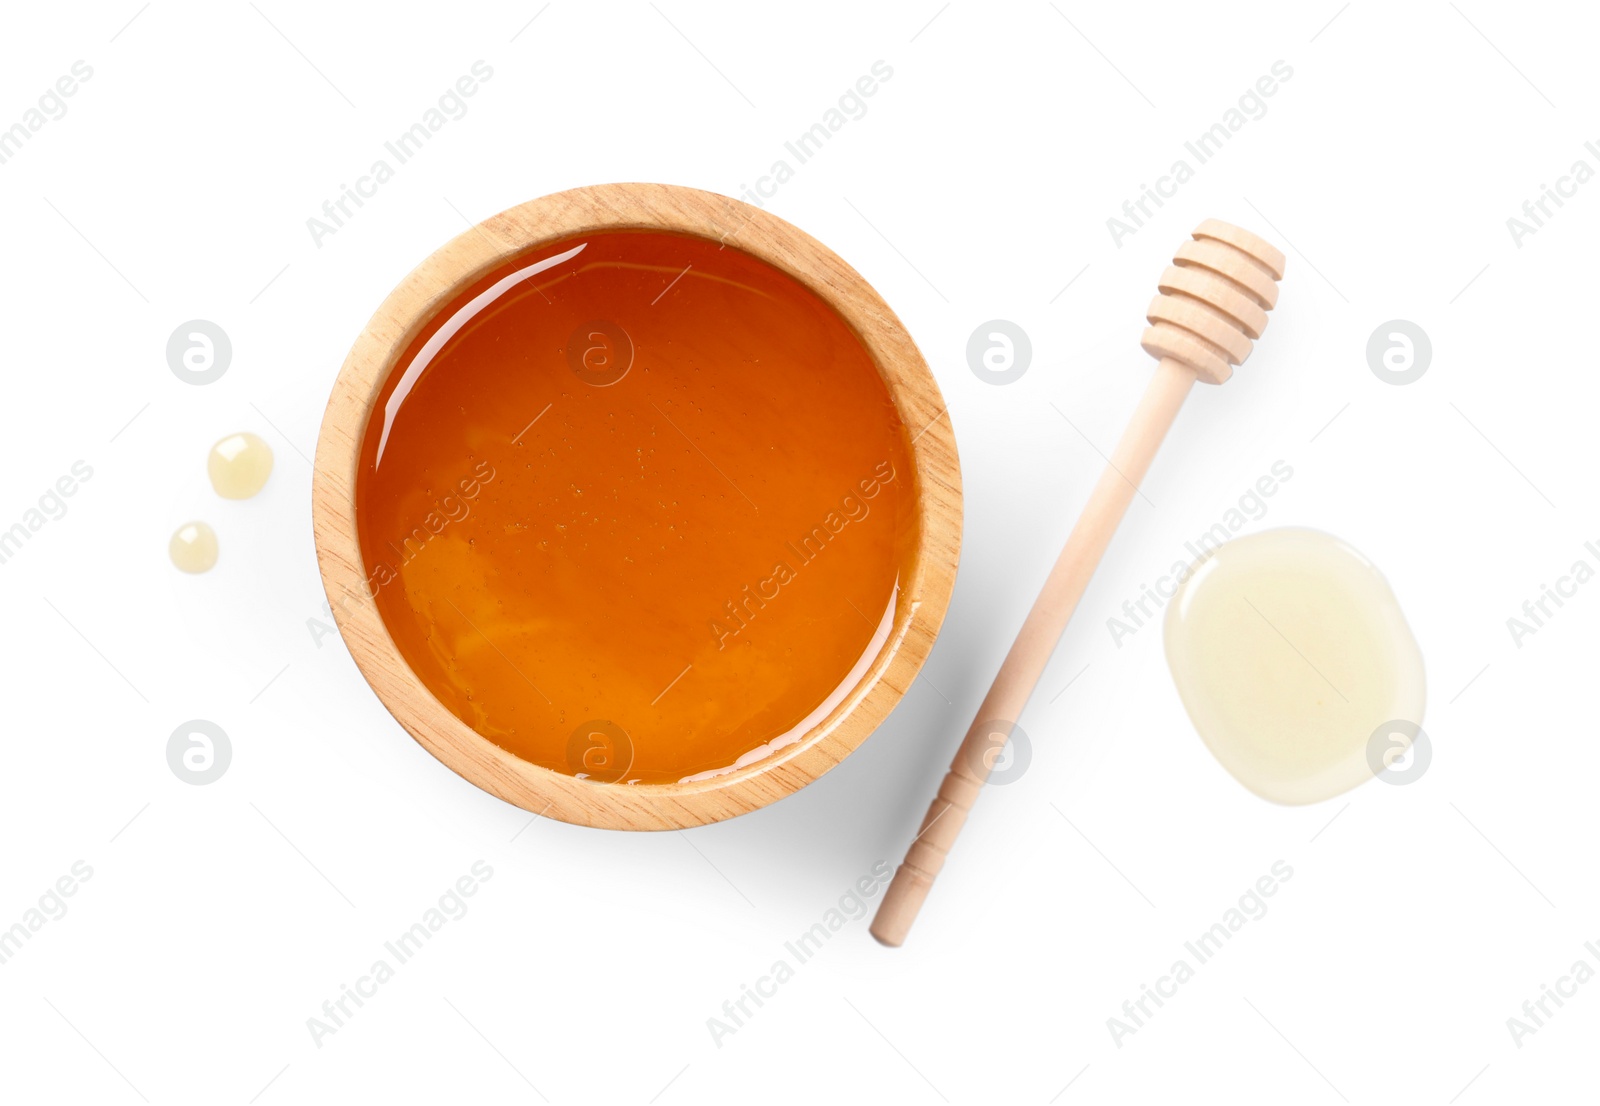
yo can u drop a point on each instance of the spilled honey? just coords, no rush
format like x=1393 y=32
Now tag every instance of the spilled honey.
x=193 y=548
x=635 y=507
x=1295 y=664
x=239 y=465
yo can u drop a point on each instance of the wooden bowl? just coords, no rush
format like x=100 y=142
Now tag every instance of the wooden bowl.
x=925 y=586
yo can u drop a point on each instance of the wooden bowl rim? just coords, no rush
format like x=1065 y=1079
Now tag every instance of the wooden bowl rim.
x=430 y=287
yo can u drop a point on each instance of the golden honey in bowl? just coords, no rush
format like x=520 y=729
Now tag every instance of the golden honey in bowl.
x=635 y=506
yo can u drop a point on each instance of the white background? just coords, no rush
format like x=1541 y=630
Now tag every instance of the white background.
x=219 y=918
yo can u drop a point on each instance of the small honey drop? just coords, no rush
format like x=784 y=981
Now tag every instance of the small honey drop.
x=193 y=547
x=239 y=465
x=1295 y=663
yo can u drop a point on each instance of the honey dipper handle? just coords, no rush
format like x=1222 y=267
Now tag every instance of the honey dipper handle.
x=1026 y=661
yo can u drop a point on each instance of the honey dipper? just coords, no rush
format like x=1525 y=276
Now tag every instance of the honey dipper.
x=1213 y=301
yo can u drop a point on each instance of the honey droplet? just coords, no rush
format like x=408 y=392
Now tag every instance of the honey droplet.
x=1295 y=664
x=193 y=547
x=239 y=465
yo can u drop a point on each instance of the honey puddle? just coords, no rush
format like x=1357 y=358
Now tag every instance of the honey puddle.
x=1295 y=664
x=635 y=507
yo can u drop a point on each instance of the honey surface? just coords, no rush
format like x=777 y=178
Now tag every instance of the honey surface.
x=634 y=507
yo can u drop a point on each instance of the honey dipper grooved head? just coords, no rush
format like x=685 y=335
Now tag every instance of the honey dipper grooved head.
x=1214 y=300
